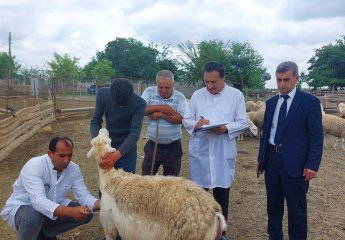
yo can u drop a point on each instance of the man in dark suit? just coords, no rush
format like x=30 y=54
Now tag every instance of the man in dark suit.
x=290 y=152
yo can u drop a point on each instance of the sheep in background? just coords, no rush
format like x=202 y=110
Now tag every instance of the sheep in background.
x=154 y=207
x=341 y=110
x=258 y=119
x=260 y=105
x=252 y=106
x=334 y=126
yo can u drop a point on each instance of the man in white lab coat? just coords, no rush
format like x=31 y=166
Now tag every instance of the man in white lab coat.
x=212 y=152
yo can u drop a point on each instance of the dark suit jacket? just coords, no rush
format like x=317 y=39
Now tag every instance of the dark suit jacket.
x=302 y=135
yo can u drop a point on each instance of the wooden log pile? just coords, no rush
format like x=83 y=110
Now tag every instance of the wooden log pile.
x=14 y=130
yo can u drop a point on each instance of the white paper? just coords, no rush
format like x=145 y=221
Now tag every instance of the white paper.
x=210 y=126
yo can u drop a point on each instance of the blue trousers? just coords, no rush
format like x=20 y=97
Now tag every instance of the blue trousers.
x=31 y=225
x=127 y=162
x=279 y=187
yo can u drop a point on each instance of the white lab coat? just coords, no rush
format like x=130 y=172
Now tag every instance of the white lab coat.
x=38 y=186
x=212 y=157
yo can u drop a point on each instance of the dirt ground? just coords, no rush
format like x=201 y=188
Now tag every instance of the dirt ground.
x=247 y=212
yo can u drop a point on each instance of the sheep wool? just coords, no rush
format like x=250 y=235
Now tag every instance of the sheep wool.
x=155 y=207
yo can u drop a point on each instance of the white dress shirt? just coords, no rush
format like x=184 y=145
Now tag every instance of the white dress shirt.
x=276 y=113
x=38 y=185
x=212 y=157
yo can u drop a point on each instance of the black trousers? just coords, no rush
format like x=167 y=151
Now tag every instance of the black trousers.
x=168 y=155
x=222 y=196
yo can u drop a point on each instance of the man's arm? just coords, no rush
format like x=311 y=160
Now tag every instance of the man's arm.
x=78 y=213
x=315 y=135
x=161 y=108
x=176 y=118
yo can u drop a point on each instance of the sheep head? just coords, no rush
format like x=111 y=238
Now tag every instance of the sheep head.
x=101 y=145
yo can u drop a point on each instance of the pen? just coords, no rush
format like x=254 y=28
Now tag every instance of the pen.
x=202 y=117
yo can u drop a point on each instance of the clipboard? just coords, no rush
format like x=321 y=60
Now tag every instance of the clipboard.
x=210 y=126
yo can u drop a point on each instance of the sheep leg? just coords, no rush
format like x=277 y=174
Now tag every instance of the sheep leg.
x=335 y=144
x=106 y=217
x=110 y=232
x=259 y=132
x=324 y=141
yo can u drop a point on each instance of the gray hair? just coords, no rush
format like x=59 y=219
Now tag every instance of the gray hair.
x=286 y=66
x=165 y=74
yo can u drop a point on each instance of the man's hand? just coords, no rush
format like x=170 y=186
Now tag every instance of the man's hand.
x=201 y=122
x=108 y=161
x=167 y=109
x=97 y=206
x=219 y=130
x=309 y=174
x=79 y=213
x=161 y=108
x=154 y=116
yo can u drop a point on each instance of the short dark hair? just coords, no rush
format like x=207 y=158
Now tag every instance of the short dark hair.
x=121 y=91
x=286 y=66
x=54 y=141
x=215 y=66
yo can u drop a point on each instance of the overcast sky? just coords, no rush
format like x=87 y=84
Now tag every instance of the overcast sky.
x=278 y=30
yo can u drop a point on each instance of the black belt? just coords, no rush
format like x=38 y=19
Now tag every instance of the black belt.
x=277 y=149
x=160 y=145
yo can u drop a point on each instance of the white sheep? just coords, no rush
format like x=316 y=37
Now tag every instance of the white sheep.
x=254 y=106
x=334 y=126
x=341 y=110
x=258 y=119
x=154 y=207
x=251 y=106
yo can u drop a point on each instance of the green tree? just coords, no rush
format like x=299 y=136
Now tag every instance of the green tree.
x=102 y=72
x=195 y=55
x=8 y=66
x=64 y=69
x=86 y=72
x=303 y=78
x=327 y=66
x=132 y=59
x=166 y=63
x=243 y=64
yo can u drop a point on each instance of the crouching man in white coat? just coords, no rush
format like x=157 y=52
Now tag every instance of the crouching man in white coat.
x=38 y=208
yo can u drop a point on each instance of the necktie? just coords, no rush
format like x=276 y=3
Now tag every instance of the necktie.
x=281 y=119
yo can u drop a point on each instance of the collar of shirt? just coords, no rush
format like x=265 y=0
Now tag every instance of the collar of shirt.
x=218 y=93
x=291 y=94
x=50 y=163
